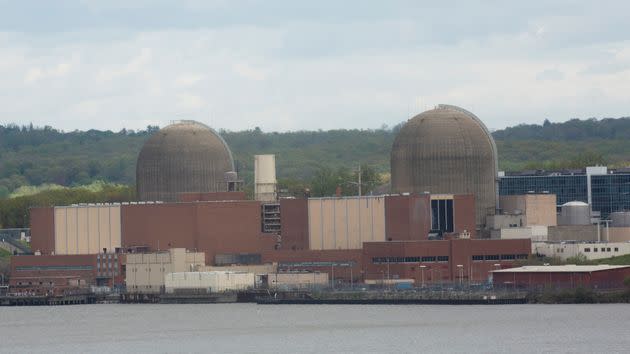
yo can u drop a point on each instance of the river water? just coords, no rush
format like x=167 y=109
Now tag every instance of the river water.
x=249 y=328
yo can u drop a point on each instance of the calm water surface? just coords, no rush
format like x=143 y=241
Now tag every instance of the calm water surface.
x=249 y=328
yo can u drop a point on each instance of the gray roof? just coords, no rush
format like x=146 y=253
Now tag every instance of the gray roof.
x=572 y=268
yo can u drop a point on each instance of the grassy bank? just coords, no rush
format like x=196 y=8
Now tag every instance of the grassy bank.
x=579 y=296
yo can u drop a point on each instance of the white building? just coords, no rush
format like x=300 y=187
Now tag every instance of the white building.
x=591 y=250
x=210 y=282
x=145 y=271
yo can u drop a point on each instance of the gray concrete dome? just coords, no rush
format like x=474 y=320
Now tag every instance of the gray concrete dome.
x=186 y=156
x=447 y=150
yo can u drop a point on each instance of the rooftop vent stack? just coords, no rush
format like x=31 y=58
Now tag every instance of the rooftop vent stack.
x=265 y=183
x=233 y=183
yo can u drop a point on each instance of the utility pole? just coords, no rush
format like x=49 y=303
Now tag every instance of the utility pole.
x=351 y=279
x=360 y=181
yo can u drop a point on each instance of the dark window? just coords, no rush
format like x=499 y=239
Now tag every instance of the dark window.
x=449 y=216
x=428 y=259
x=616 y=249
x=492 y=257
x=435 y=215
x=522 y=256
x=587 y=250
x=477 y=258
x=608 y=249
x=442 y=215
x=595 y=249
x=442 y=258
x=508 y=256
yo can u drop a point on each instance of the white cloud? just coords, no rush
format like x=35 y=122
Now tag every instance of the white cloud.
x=248 y=72
x=319 y=72
x=186 y=80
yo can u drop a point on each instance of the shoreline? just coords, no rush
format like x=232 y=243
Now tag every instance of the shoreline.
x=545 y=296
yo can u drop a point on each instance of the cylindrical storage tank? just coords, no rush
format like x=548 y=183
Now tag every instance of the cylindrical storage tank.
x=185 y=157
x=575 y=213
x=447 y=150
x=620 y=219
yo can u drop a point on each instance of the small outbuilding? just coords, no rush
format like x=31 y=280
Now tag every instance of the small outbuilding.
x=566 y=276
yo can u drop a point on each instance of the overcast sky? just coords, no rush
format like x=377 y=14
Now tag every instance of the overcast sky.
x=292 y=65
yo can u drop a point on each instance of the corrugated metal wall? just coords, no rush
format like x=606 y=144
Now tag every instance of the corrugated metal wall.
x=212 y=281
x=345 y=223
x=86 y=229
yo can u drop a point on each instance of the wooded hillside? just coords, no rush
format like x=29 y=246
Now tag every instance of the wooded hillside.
x=34 y=156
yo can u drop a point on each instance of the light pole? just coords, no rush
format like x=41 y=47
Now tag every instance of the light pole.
x=383 y=281
x=460 y=267
x=497 y=266
x=422 y=268
x=332 y=270
x=351 y=279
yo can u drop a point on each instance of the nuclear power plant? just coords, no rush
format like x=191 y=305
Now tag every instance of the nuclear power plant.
x=442 y=222
x=447 y=150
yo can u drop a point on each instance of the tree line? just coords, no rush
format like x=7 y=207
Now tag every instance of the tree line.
x=15 y=212
x=319 y=161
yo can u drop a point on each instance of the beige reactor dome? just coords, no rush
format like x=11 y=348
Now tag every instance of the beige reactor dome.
x=186 y=156
x=447 y=150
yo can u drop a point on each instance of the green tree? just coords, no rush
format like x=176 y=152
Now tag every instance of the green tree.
x=324 y=182
x=370 y=178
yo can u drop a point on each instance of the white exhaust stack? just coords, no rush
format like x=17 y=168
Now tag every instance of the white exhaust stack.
x=265 y=178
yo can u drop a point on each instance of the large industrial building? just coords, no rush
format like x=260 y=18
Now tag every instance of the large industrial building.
x=447 y=150
x=235 y=231
x=605 y=190
x=353 y=239
x=443 y=221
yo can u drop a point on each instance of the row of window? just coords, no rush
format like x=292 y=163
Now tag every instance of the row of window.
x=135 y=270
x=31 y=283
x=108 y=274
x=52 y=268
x=425 y=259
x=107 y=256
x=106 y=265
x=499 y=257
x=603 y=249
x=609 y=192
